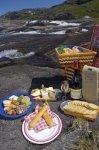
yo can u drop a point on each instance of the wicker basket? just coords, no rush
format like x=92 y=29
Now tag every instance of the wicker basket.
x=85 y=57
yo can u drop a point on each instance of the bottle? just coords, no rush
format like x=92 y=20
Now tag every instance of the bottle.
x=76 y=82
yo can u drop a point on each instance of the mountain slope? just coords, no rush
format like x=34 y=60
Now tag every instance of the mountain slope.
x=90 y=8
x=71 y=9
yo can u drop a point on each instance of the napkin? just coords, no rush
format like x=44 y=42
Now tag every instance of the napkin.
x=41 y=124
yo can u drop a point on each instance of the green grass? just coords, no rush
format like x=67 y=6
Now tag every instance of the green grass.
x=90 y=8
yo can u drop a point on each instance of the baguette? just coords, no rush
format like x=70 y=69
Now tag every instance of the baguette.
x=82 y=111
x=88 y=117
x=85 y=104
x=33 y=122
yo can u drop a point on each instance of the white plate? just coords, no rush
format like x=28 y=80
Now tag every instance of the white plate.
x=44 y=136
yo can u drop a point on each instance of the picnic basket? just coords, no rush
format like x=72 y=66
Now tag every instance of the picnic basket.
x=85 y=57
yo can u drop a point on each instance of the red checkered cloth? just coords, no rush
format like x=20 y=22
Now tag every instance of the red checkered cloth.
x=41 y=124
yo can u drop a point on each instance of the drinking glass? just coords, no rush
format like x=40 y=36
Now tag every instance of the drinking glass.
x=65 y=89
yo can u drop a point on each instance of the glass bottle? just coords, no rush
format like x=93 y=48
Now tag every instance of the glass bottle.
x=76 y=82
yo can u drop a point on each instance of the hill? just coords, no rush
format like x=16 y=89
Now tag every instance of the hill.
x=70 y=9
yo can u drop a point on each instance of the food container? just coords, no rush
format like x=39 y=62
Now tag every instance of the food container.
x=67 y=54
x=90 y=83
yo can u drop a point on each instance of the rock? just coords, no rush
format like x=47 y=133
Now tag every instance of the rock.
x=77 y=1
x=24 y=75
x=87 y=17
x=67 y=16
x=73 y=30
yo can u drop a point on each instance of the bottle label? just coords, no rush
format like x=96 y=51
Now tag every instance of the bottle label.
x=76 y=94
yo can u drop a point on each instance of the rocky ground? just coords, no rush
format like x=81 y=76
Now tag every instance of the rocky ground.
x=25 y=74
x=25 y=77
x=42 y=45
x=13 y=26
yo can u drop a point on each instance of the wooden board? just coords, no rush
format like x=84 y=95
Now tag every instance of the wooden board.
x=42 y=99
x=58 y=94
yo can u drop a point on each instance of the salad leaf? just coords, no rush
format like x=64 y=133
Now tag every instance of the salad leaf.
x=20 y=98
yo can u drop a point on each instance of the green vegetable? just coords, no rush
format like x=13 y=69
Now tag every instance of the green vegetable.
x=61 y=49
x=26 y=101
x=20 y=98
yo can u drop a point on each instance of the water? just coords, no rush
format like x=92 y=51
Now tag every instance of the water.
x=13 y=53
x=17 y=43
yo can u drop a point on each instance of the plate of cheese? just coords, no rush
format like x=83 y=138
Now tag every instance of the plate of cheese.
x=48 y=93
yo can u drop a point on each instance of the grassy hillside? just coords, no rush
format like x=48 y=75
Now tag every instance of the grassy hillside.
x=63 y=11
x=91 y=9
